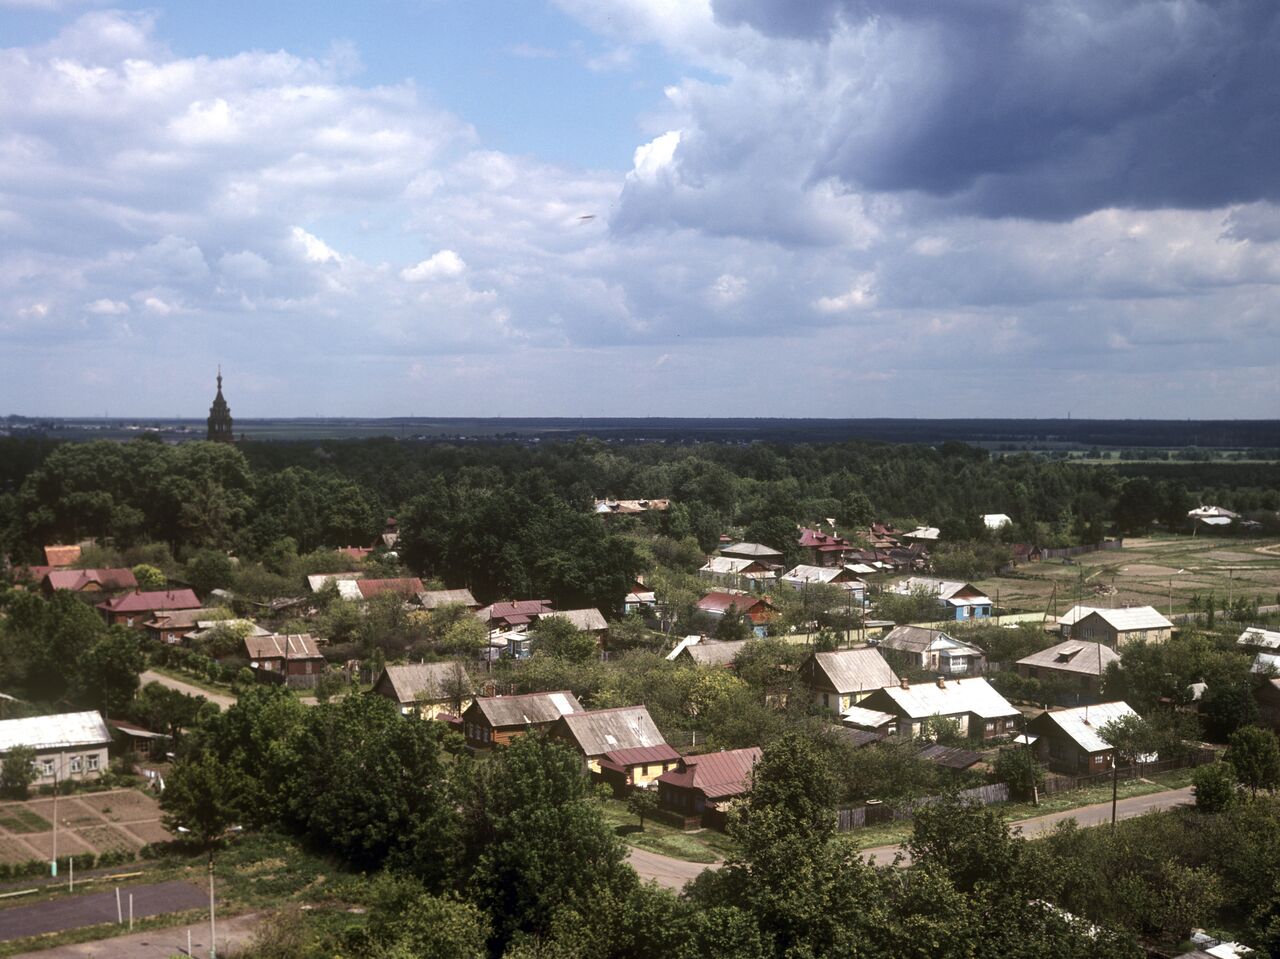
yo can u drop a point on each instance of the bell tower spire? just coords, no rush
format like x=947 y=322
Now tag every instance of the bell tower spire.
x=219 y=422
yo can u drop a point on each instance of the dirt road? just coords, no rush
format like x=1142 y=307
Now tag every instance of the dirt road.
x=672 y=873
x=222 y=699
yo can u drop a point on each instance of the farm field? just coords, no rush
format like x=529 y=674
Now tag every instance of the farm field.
x=1164 y=572
x=113 y=821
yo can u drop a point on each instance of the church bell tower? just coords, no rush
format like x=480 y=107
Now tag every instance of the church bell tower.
x=220 y=417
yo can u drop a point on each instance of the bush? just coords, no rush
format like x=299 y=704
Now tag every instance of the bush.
x=1215 y=787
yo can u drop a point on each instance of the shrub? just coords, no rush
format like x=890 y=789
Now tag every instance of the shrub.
x=1215 y=787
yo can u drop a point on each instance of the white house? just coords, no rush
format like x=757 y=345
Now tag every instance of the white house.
x=67 y=745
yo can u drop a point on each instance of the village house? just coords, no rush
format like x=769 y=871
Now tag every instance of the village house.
x=641 y=599
x=824 y=549
x=358 y=553
x=1080 y=664
x=837 y=680
x=590 y=621
x=344 y=583
x=496 y=720
x=637 y=768
x=67 y=745
x=206 y=629
x=883 y=536
x=142 y=742
x=520 y=614
x=171 y=625
x=932 y=649
x=295 y=657
x=134 y=609
x=743 y=574
x=700 y=787
x=757 y=609
x=433 y=599
x=980 y=711
x=595 y=732
x=89 y=580
x=960 y=601
x=1115 y=627
x=770 y=557
x=923 y=534
x=1257 y=637
x=57 y=557
x=841 y=576
x=1070 y=741
x=428 y=689
x=700 y=651
x=406 y=587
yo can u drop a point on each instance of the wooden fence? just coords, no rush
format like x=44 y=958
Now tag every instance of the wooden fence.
x=855 y=817
x=1059 y=784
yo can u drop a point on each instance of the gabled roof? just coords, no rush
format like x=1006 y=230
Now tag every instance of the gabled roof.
x=59 y=731
x=804 y=573
x=996 y=520
x=716 y=775
x=1082 y=724
x=585 y=620
x=953 y=697
x=78 y=579
x=527 y=709
x=1257 y=636
x=527 y=608
x=947 y=590
x=715 y=652
x=733 y=566
x=319 y=581
x=435 y=598
x=813 y=539
x=142 y=602
x=952 y=757
x=1132 y=618
x=61 y=555
x=866 y=718
x=755 y=550
x=188 y=618
x=1074 y=656
x=405 y=586
x=422 y=682
x=855 y=670
x=599 y=731
x=277 y=646
x=918 y=639
x=719 y=601
x=620 y=759
x=1266 y=663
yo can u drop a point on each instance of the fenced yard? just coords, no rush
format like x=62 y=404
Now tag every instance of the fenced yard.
x=90 y=824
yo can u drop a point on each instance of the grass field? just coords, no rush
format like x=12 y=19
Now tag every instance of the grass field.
x=1164 y=572
x=703 y=845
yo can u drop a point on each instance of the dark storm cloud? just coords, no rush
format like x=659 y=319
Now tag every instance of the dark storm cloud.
x=1046 y=108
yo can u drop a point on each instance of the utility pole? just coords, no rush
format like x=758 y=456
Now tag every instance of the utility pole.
x=213 y=929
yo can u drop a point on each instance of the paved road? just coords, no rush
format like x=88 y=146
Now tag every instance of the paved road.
x=674 y=873
x=72 y=912
x=233 y=933
x=1095 y=815
x=222 y=699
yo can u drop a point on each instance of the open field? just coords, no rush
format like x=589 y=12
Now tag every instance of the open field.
x=114 y=821
x=1163 y=572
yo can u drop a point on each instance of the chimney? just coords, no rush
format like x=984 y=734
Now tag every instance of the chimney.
x=906 y=683
x=942 y=683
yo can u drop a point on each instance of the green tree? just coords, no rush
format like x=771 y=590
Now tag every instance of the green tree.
x=204 y=797
x=149 y=577
x=641 y=803
x=556 y=636
x=1214 y=787
x=17 y=772
x=1254 y=753
x=1019 y=768
x=208 y=570
x=107 y=672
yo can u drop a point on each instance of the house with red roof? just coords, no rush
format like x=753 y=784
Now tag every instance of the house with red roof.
x=89 y=580
x=135 y=609
x=824 y=549
x=701 y=787
x=638 y=767
x=520 y=614
x=60 y=556
x=758 y=609
x=407 y=587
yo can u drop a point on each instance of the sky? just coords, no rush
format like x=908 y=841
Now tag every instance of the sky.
x=836 y=208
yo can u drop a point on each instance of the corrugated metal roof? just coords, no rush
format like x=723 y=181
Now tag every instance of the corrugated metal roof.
x=955 y=696
x=1132 y=618
x=318 y=581
x=856 y=670
x=405 y=586
x=278 y=646
x=78 y=579
x=867 y=718
x=423 y=682
x=717 y=775
x=61 y=555
x=435 y=598
x=918 y=639
x=720 y=601
x=942 y=588
x=1257 y=636
x=756 y=550
x=1266 y=663
x=527 y=708
x=149 y=602
x=1074 y=657
x=599 y=731
x=638 y=755
x=715 y=653
x=952 y=757
x=1083 y=723
x=60 y=731
x=586 y=620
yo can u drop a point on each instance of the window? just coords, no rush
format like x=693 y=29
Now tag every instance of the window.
x=46 y=767
x=91 y=763
x=826 y=700
x=76 y=763
x=991 y=725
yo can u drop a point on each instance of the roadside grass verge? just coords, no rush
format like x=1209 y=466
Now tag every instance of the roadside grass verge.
x=702 y=845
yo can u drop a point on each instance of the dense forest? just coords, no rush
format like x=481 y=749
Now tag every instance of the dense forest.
x=516 y=519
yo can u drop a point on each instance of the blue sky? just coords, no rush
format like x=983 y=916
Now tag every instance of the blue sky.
x=665 y=207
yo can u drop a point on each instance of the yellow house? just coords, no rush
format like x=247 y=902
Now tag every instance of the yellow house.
x=428 y=689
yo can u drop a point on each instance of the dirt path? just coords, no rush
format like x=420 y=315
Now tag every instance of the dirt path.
x=664 y=870
x=233 y=933
x=222 y=699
